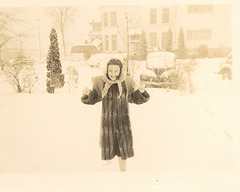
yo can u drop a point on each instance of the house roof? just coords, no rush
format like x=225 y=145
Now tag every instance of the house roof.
x=83 y=48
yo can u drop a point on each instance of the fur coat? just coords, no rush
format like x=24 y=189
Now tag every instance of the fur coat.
x=115 y=130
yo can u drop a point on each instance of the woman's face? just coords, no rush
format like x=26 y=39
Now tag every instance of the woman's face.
x=113 y=72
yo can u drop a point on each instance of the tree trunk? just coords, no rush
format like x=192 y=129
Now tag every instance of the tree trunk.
x=69 y=87
x=19 y=89
x=64 y=45
x=50 y=89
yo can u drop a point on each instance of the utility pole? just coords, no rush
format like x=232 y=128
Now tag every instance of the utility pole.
x=127 y=45
x=1 y=63
x=20 y=39
x=39 y=42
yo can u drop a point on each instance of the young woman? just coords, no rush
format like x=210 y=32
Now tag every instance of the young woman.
x=115 y=90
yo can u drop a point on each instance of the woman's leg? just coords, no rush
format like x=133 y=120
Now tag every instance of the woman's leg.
x=122 y=164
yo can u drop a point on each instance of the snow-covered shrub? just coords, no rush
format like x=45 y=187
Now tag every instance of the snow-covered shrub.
x=20 y=74
x=72 y=77
x=185 y=69
x=28 y=78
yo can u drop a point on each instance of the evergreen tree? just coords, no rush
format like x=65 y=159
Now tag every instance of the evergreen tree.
x=182 y=51
x=55 y=78
x=142 y=48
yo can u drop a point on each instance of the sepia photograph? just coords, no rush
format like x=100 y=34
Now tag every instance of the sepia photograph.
x=119 y=96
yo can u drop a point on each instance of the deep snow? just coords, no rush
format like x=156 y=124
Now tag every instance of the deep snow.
x=41 y=132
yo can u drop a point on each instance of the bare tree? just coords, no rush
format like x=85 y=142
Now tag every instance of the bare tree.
x=29 y=78
x=63 y=16
x=20 y=74
x=8 y=20
x=9 y=30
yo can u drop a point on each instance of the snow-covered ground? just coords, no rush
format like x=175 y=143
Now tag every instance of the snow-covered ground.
x=43 y=132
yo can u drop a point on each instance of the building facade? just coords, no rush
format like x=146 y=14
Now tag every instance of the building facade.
x=208 y=25
x=117 y=23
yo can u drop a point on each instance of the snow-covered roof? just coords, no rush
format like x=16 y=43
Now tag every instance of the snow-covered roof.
x=97 y=43
x=83 y=48
x=103 y=58
x=160 y=59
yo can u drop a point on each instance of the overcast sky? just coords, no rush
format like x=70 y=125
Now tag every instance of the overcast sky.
x=75 y=33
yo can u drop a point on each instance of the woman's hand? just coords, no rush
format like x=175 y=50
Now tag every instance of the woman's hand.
x=86 y=91
x=141 y=88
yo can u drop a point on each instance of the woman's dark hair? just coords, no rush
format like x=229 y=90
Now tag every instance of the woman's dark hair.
x=115 y=62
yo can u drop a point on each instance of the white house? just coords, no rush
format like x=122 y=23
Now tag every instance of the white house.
x=202 y=24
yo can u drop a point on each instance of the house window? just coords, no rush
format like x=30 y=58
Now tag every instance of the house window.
x=106 y=43
x=165 y=15
x=195 y=35
x=199 y=34
x=205 y=8
x=153 y=16
x=189 y=35
x=209 y=8
x=114 y=42
x=199 y=8
x=196 y=8
x=135 y=38
x=113 y=19
x=165 y=40
x=190 y=8
x=153 y=39
x=105 y=19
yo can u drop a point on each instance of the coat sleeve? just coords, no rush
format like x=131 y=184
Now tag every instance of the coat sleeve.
x=134 y=95
x=95 y=94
